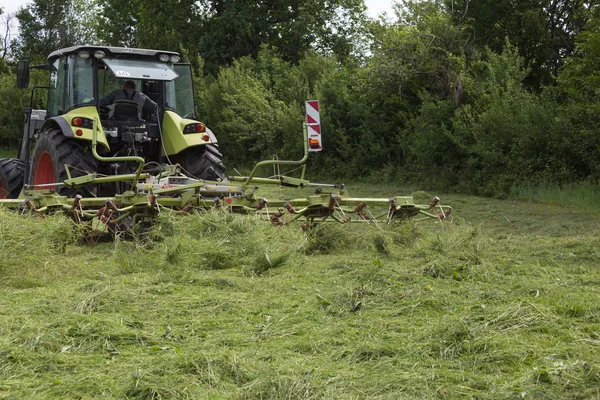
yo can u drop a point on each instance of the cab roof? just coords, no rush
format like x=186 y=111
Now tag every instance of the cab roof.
x=111 y=52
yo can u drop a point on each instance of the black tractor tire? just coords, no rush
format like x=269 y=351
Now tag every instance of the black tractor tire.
x=12 y=174
x=203 y=162
x=52 y=151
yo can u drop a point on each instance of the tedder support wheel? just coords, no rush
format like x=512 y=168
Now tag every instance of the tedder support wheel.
x=203 y=162
x=11 y=177
x=52 y=151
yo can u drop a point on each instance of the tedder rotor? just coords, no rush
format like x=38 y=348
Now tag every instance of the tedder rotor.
x=114 y=169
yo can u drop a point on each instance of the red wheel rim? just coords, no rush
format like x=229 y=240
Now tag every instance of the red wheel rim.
x=44 y=170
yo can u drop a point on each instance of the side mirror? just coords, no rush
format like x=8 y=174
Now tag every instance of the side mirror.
x=22 y=74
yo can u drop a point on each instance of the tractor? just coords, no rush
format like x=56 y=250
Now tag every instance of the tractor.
x=58 y=142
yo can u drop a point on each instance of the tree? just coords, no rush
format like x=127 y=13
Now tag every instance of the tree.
x=502 y=135
x=12 y=102
x=544 y=30
x=231 y=29
x=47 y=25
x=420 y=53
x=117 y=25
x=577 y=93
x=6 y=22
x=243 y=110
x=167 y=25
x=222 y=31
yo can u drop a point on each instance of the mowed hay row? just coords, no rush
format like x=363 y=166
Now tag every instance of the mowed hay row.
x=34 y=248
x=218 y=305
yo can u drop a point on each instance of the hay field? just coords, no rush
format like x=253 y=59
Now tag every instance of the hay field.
x=502 y=304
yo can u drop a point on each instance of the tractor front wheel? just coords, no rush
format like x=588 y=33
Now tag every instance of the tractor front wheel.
x=52 y=151
x=11 y=177
x=203 y=162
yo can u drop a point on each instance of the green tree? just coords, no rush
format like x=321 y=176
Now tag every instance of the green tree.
x=47 y=25
x=166 y=25
x=232 y=29
x=222 y=31
x=577 y=94
x=417 y=60
x=117 y=26
x=544 y=31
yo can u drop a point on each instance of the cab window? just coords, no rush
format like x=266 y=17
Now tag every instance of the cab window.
x=71 y=84
x=180 y=92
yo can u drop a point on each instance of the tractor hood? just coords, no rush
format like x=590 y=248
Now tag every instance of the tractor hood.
x=136 y=69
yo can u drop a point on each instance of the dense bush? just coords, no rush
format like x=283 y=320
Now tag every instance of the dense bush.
x=12 y=101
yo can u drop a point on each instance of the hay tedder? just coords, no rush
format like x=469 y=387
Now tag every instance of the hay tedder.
x=114 y=167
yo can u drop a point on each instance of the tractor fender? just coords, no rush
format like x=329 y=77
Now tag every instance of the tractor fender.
x=175 y=140
x=212 y=136
x=62 y=122
x=58 y=122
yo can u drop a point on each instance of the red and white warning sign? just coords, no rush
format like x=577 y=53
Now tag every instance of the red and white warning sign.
x=313 y=122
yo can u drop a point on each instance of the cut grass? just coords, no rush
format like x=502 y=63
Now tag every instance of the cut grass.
x=502 y=304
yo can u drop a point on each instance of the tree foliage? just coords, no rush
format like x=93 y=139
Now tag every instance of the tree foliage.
x=544 y=31
x=47 y=25
x=223 y=31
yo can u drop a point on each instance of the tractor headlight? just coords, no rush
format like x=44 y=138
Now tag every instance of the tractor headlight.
x=164 y=57
x=174 y=59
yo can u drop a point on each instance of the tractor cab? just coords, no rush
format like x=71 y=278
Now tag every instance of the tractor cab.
x=130 y=118
x=80 y=76
x=123 y=102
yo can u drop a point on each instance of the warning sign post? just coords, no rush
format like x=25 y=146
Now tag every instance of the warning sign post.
x=313 y=125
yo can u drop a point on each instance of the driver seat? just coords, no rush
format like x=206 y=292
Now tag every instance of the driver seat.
x=124 y=110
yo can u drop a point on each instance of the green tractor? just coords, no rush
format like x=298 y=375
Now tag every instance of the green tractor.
x=161 y=128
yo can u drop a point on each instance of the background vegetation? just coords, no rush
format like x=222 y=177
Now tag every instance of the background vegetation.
x=482 y=97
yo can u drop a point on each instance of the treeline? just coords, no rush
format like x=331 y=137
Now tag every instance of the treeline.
x=473 y=95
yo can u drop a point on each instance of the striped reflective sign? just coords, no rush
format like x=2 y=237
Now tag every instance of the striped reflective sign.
x=313 y=123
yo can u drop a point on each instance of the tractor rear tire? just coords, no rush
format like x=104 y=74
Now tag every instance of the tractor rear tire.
x=52 y=151
x=12 y=171
x=203 y=162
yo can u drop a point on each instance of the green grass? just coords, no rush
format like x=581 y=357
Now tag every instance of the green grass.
x=581 y=194
x=8 y=153
x=504 y=303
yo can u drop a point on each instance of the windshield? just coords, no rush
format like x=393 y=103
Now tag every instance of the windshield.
x=108 y=83
x=136 y=69
x=180 y=92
